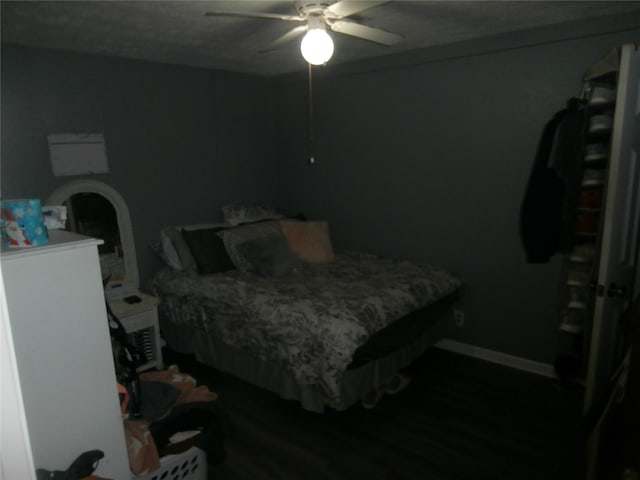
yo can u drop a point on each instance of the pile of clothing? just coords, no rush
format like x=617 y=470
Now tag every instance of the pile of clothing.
x=175 y=415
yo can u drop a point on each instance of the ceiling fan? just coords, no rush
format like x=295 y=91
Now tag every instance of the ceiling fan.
x=316 y=16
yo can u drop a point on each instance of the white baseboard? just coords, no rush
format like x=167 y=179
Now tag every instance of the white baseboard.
x=505 y=359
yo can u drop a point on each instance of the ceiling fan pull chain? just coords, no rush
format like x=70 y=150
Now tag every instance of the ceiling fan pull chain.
x=312 y=159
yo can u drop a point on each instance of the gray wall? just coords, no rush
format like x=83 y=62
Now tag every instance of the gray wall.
x=423 y=155
x=427 y=157
x=180 y=141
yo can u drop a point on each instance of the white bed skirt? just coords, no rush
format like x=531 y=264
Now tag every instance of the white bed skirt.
x=270 y=376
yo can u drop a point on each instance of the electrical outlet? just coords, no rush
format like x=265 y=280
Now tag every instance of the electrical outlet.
x=458 y=317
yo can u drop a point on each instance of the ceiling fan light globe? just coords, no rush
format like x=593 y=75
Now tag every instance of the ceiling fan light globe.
x=317 y=46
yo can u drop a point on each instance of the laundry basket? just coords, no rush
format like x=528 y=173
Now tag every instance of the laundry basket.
x=188 y=465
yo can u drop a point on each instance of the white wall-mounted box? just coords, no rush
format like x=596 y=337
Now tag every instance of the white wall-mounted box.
x=77 y=154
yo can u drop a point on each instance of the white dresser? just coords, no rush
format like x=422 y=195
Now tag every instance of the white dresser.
x=63 y=353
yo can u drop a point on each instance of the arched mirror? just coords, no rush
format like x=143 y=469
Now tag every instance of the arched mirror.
x=97 y=210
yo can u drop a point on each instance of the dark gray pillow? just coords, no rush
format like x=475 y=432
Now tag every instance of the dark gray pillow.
x=232 y=237
x=269 y=256
x=208 y=250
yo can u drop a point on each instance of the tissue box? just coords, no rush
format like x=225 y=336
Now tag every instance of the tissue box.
x=21 y=223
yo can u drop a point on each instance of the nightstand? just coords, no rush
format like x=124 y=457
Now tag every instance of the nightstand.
x=140 y=321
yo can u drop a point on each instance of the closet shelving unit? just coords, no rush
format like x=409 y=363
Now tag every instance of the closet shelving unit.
x=582 y=263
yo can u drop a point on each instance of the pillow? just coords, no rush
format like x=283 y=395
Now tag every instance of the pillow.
x=232 y=237
x=208 y=250
x=269 y=256
x=310 y=241
x=237 y=214
x=177 y=253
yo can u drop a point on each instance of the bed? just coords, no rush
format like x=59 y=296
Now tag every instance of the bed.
x=323 y=333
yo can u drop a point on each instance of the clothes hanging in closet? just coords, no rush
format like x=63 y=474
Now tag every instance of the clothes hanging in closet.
x=547 y=212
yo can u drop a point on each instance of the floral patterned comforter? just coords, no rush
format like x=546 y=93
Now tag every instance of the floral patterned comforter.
x=311 y=321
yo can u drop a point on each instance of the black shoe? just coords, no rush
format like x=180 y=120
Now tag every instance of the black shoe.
x=83 y=466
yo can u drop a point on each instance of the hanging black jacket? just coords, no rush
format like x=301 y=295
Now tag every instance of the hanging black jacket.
x=548 y=208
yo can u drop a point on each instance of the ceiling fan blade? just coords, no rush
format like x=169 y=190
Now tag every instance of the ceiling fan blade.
x=270 y=16
x=367 y=33
x=290 y=35
x=349 y=7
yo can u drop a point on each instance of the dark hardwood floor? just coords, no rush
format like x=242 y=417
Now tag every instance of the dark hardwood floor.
x=460 y=418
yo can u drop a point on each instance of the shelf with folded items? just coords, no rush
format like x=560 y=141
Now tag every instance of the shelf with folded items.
x=599 y=163
x=593 y=177
x=600 y=109
x=578 y=301
x=601 y=95
x=583 y=253
x=591 y=193
x=579 y=275
x=573 y=322
x=579 y=297
x=587 y=222
x=599 y=128
x=589 y=205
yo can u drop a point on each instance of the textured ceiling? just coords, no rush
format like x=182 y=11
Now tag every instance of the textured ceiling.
x=178 y=32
